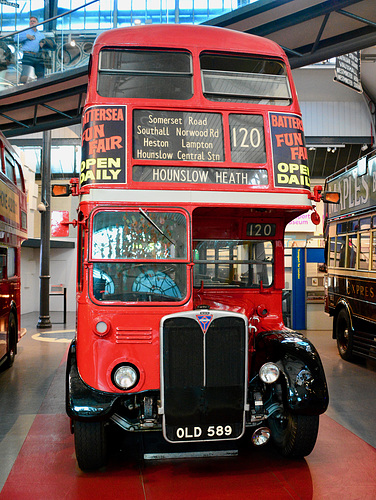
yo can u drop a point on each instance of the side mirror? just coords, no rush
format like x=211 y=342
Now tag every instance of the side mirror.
x=61 y=190
x=325 y=196
x=330 y=197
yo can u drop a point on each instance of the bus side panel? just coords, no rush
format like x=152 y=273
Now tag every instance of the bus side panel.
x=358 y=297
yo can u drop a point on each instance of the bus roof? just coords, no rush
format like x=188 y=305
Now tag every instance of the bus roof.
x=190 y=36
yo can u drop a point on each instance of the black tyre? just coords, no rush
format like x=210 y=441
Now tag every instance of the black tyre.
x=91 y=445
x=344 y=335
x=12 y=341
x=294 y=435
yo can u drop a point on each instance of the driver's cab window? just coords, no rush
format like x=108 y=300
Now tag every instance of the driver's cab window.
x=139 y=256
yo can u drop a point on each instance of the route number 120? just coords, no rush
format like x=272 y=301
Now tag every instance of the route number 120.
x=244 y=138
x=260 y=229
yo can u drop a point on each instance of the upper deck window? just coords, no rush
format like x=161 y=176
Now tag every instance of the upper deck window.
x=244 y=79
x=145 y=74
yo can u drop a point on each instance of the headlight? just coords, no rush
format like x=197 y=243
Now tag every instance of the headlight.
x=269 y=373
x=125 y=376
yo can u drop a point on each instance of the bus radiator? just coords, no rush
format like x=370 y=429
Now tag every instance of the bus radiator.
x=204 y=367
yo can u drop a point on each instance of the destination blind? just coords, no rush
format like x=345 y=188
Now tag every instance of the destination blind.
x=177 y=135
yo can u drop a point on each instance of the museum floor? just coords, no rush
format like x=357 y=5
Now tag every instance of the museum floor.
x=37 y=459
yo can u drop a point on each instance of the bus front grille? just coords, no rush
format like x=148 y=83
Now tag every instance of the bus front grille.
x=204 y=366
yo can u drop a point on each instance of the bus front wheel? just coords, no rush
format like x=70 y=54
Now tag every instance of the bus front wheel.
x=91 y=445
x=294 y=435
x=344 y=335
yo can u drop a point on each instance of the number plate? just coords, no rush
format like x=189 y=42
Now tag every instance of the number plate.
x=204 y=432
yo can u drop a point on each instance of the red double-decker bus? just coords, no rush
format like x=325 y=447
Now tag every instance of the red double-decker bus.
x=193 y=162
x=13 y=230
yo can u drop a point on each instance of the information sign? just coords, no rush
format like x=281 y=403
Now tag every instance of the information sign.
x=290 y=158
x=103 y=145
x=177 y=135
x=347 y=71
x=247 y=139
x=260 y=229
x=200 y=175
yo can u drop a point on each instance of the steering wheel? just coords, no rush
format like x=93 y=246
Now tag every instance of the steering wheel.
x=156 y=282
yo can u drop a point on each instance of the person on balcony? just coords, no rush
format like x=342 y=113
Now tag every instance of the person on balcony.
x=32 y=41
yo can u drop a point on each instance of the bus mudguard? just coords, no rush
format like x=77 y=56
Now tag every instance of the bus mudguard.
x=82 y=401
x=306 y=391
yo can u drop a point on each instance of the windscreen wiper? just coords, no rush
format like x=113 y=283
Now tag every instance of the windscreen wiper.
x=144 y=214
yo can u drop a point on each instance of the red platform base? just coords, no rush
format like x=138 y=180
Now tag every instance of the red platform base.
x=342 y=466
